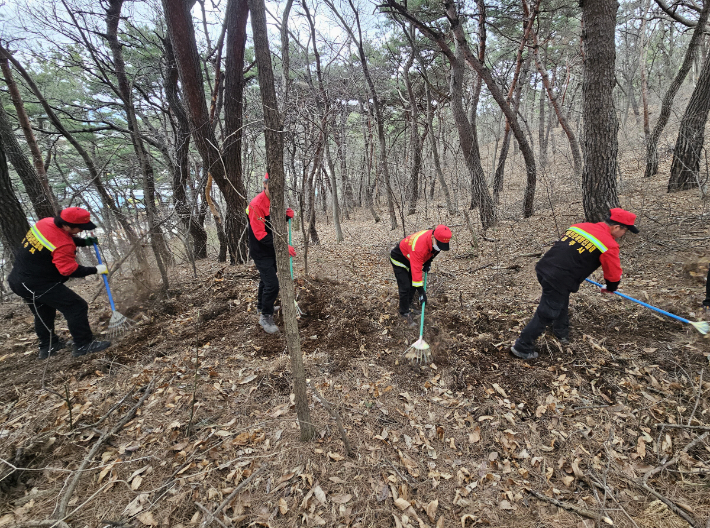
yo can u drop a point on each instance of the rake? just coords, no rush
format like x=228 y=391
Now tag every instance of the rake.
x=119 y=323
x=418 y=352
x=299 y=312
x=701 y=326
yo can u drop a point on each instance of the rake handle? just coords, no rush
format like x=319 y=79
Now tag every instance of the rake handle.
x=290 y=259
x=672 y=316
x=108 y=288
x=421 y=322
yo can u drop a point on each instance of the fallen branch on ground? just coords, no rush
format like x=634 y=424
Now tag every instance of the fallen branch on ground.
x=571 y=507
x=229 y=498
x=336 y=416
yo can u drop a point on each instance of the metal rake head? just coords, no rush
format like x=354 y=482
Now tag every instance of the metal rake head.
x=419 y=353
x=118 y=325
x=701 y=326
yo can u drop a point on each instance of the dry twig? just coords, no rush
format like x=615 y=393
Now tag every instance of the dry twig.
x=225 y=502
x=571 y=507
x=336 y=416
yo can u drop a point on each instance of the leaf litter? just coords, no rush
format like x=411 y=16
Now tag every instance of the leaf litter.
x=476 y=439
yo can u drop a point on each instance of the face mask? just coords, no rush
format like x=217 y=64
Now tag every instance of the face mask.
x=436 y=248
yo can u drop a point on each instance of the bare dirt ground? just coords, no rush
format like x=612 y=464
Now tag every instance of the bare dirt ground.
x=574 y=438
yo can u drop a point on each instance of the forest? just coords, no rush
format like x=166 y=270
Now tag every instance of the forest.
x=507 y=121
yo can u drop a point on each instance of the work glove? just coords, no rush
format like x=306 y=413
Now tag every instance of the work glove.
x=102 y=269
x=91 y=240
x=422 y=295
x=292 y=251
x=289 y=214
x=426 y=267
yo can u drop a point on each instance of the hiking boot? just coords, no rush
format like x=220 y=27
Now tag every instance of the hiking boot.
x=409 y=319
x=523 y=355
x=276 y=309
x=563 y=340
x=57 y=345
x=416 y=312
x=94 y=346
x=267 y=323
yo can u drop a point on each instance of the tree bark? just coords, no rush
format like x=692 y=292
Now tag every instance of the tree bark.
x=573 y=143
x=13 y=222
x=599 y=192
x=157 y=240
x=236 y=219
x=41 y=203
x=182 y=35
x=274 y=154
x=689 y=145
x=415 y=140
x=435 y=151
x=690 y=55
x=24 y=121
x=180 y=164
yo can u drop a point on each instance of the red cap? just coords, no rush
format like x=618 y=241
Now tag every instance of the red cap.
x=442 y=234
x=77 y=217
x=623 y=218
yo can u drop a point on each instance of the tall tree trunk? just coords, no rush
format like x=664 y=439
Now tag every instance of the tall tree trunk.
x=236 y=220
x=157 y=241
x=180 y=164
x=24 y=121
x=415 y=140
x=541 y=135
x=435 y=151
x=573 y=143
x=274 y=155
x=41 y=202
x=599 y=192
x=690 y=55
x=182 y=35
x=367 y=141
x=469 y=145
x=689 y=145
x=375 y=103
x=13 y=222
x=334 y=195
x=498 y=178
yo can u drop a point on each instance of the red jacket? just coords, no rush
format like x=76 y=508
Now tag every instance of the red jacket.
x=261 y=240
x=582 y=249
x=417 y=249
x=48 y=254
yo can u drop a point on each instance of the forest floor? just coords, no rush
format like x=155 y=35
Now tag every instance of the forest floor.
x=574 y=438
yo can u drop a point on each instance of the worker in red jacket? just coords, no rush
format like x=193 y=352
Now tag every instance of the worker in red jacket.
x=46 y=260
x=582 y=249
x=411 y=258
x=261 y=250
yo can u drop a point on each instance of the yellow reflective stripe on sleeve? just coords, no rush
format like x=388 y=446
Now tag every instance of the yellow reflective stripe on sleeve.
x=40 y=237
x=417 y=284
x=398 y=263
x=416 y=237
x=594 y=240
x=247 y=209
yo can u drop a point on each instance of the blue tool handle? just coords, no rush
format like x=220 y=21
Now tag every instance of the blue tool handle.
x=421 y=322
x=108 y=288
x=673 y=316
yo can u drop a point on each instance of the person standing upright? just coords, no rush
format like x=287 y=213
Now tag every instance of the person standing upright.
x=261 y=250
x=583 y=248
x=46 y=260
x=411 y=258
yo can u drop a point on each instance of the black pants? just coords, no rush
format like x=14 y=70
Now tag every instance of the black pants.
x=268 y=285
x=45 y=300
x=404 y=285
x=552 y=310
